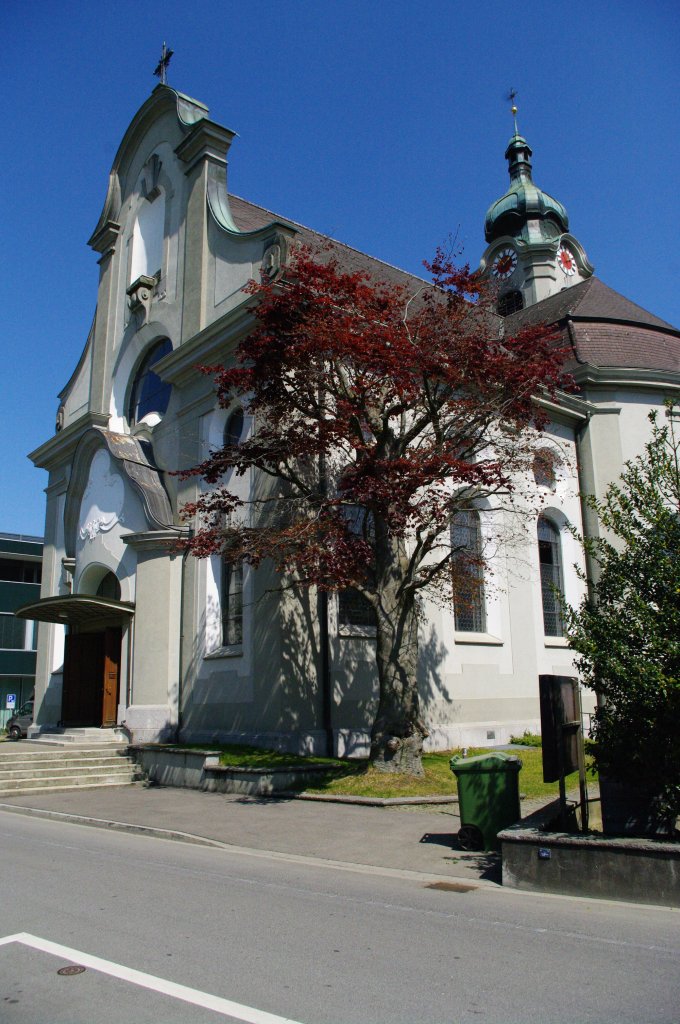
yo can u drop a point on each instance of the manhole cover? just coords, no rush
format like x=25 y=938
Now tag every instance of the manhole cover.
x=72 y=969
x=451 y=887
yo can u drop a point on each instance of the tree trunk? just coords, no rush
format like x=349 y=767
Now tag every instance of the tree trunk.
x=397 y=734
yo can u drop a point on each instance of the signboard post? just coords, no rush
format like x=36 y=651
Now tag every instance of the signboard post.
x=562 y=735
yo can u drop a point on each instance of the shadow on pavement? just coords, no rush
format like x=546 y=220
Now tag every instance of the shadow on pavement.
x=488 y=864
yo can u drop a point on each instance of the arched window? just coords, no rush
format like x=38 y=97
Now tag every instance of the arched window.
x=468 y=572
x=150 y=393
x=550 y=561
x=147 y=239
x=109 y=587
x=232 y=602
x=233 y=429
x=511 y=302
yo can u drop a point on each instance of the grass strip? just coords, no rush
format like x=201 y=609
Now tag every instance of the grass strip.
x=356 y=778
x=438 y=780
x=241 y=755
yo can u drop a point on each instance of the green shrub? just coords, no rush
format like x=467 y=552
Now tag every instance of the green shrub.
x=527 y=739
x=626 y=632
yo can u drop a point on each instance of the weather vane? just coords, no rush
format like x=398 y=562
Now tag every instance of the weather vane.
x=513 y=109
x=162 y=66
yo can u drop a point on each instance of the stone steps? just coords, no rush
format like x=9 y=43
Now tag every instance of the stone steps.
x=90 y=736
x=24 y=770
x=52 y=770
x=78 y=758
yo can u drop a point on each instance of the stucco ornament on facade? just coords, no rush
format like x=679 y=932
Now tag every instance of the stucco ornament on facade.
x=100 y=525
x=103 y=499
x=274 y=258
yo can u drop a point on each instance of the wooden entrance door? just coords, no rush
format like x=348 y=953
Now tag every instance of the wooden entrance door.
x=112 y=639
x=91 y=678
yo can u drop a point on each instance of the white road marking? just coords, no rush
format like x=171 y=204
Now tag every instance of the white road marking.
x=248 y=1014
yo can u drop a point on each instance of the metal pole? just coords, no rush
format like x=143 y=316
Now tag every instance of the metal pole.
x=563 y=788
x=322 y=608
x=583 y=790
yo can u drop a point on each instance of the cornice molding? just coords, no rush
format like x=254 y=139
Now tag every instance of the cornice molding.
x=207 y=140
x=62 y=446
x=633 y=377
x=179 y=366
x=158 y=540
x=105 y=236
x=566 y=408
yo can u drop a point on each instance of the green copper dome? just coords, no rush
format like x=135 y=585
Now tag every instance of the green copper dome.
x=523 y=201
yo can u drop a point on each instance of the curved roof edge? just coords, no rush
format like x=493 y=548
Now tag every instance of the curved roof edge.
x=163 y=98
x=64 y=393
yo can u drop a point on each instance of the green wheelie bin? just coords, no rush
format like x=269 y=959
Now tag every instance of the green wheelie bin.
x=488 y=797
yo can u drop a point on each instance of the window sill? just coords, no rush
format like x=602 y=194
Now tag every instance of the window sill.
x=233 y=651
x=556 y=641
x=356 y=632
x=482 y=639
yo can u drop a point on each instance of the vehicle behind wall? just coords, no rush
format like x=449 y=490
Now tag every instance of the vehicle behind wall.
x=17 y=725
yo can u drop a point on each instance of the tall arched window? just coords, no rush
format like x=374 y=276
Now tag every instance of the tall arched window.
x=354 y=609
x=468 y=572
x=233 y=429
x=150 y=393
x=232 y=602
x=550 y=560
x=147 y=239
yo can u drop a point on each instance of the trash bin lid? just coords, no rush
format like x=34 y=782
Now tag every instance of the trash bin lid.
x=496 y=761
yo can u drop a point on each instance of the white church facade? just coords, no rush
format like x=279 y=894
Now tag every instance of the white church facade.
x=136 y=636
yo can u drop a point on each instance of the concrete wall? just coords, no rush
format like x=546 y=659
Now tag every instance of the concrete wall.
x=639 y=870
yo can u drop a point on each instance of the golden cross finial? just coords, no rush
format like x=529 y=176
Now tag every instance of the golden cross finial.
x=513 y=109
x=162 y=66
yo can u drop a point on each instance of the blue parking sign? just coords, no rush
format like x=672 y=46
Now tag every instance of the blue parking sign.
x=11 y=702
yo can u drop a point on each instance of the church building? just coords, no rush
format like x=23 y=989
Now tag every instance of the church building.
x=140 y=640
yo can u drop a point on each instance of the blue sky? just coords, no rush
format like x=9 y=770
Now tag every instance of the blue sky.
x=381 y=122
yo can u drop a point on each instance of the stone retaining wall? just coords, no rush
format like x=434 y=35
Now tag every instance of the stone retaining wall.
x=605 y=867
x=200 y=769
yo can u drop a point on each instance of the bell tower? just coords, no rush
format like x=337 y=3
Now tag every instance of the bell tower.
x=530 y=252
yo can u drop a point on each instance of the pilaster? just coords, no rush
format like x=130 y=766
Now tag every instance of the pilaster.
x=203 y=150
x=153 y=711
x=105 y=242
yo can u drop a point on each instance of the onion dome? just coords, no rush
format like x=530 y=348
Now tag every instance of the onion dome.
x=524 y=201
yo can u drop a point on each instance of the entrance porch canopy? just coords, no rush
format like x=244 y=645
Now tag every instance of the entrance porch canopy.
x=77 y=610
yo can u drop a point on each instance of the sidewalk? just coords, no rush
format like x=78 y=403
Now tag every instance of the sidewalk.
x=402 y=838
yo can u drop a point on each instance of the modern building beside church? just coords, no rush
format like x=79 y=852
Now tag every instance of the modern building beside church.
x=135 y=635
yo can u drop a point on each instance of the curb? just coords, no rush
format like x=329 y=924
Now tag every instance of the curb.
x=115 y=826
x=374 y=801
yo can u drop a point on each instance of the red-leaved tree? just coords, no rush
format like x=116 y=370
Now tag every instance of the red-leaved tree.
x=380 y=410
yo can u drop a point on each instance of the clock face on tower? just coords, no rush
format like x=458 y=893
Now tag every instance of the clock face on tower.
x=566 y=261
x=504 y=264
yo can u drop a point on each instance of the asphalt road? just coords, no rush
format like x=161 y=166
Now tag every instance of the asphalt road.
x=172 y=932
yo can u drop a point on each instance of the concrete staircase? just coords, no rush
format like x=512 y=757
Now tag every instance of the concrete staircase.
x=30 y=767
